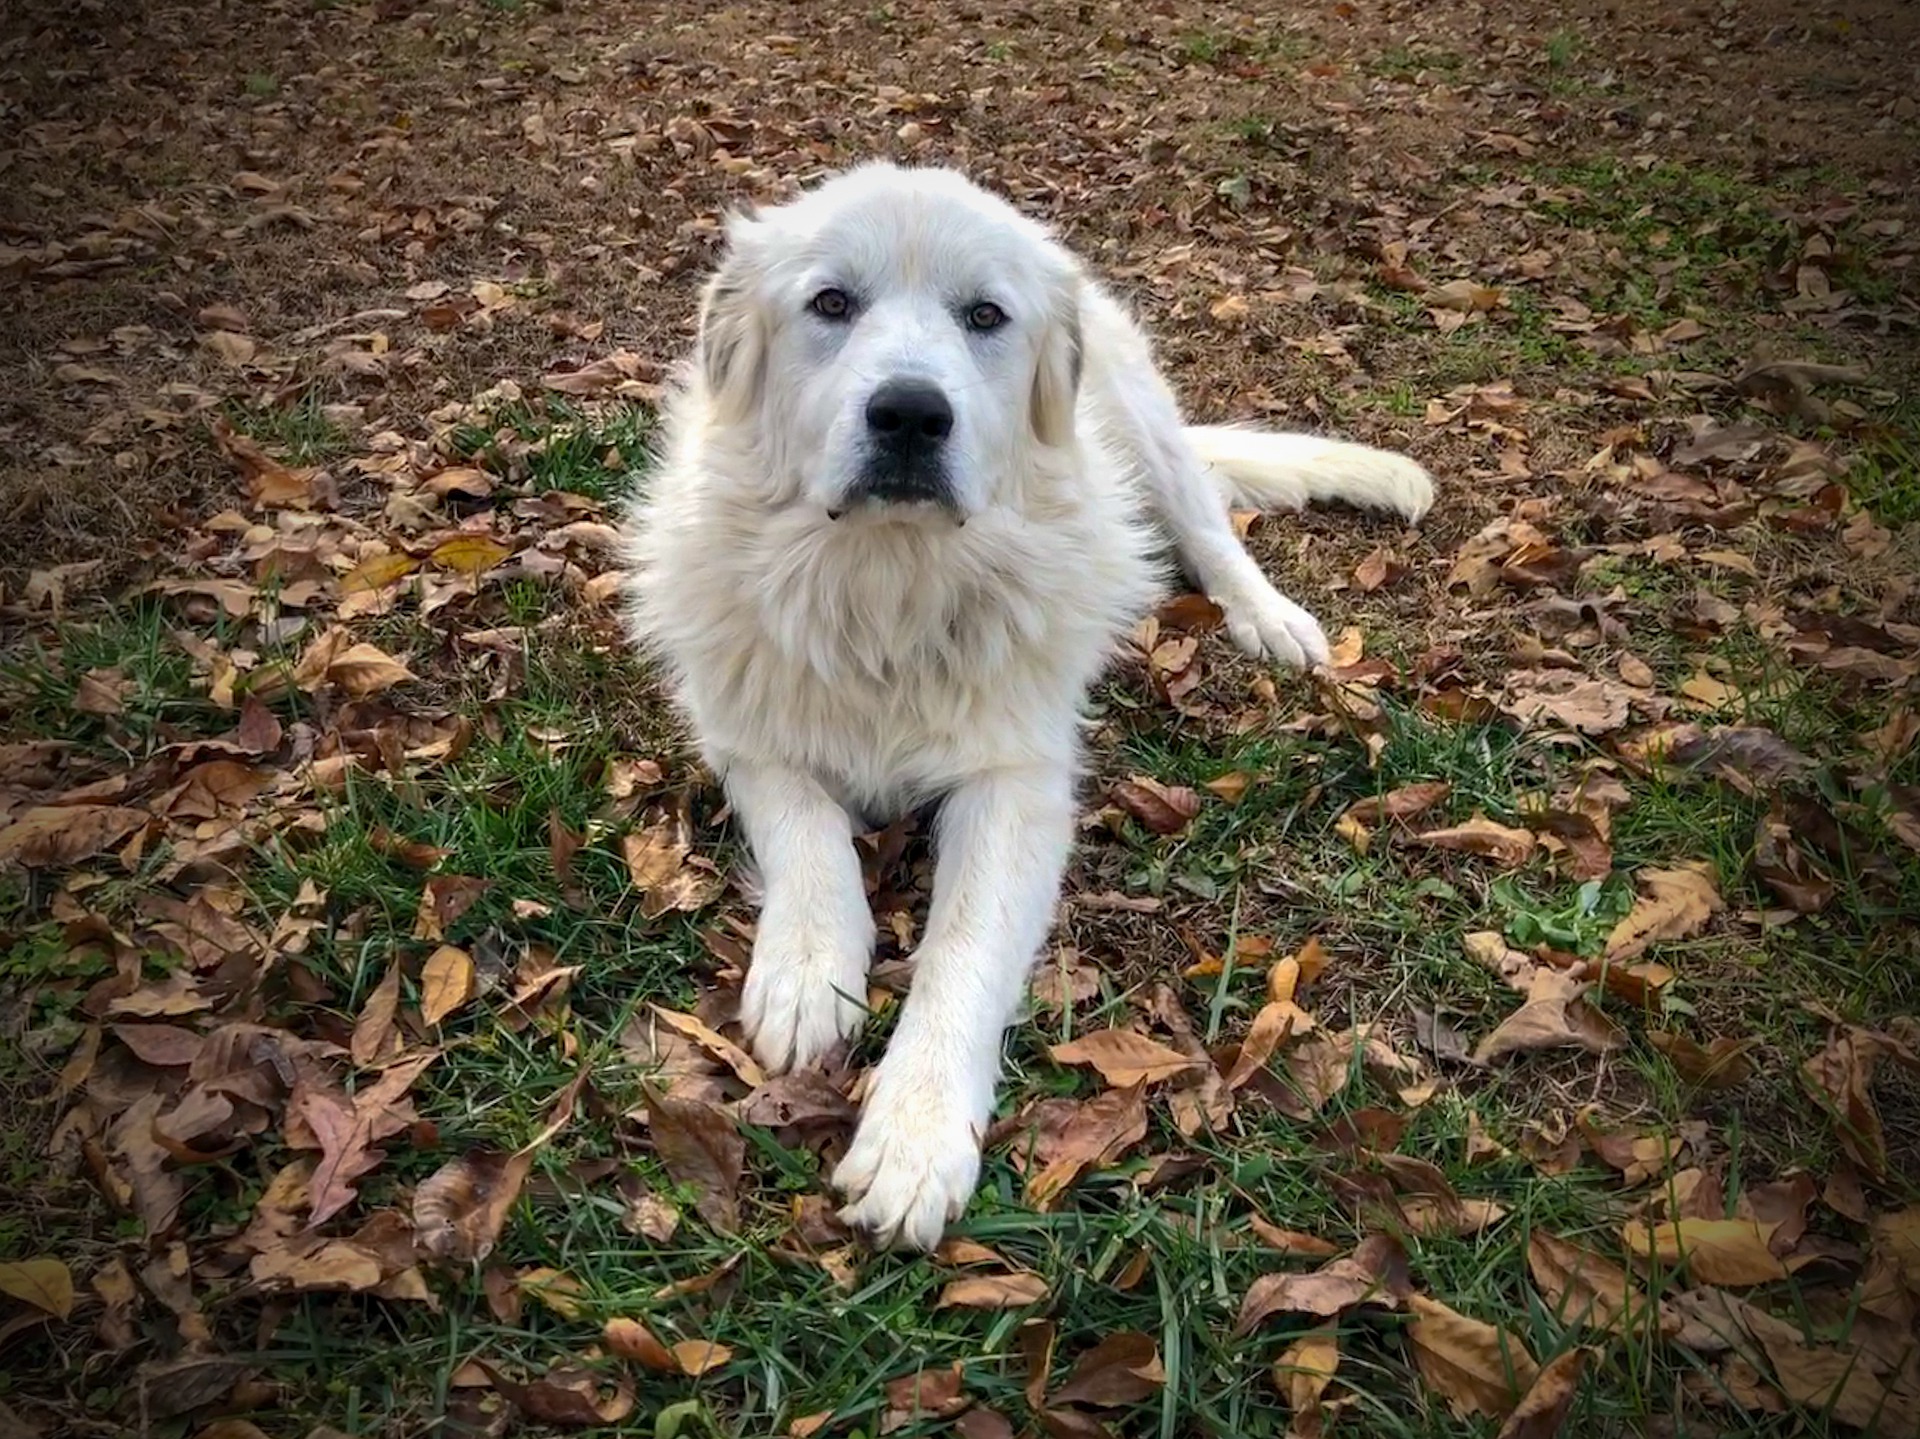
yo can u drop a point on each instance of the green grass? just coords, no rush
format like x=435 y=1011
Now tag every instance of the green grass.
x=560 y=446
x=301 y=431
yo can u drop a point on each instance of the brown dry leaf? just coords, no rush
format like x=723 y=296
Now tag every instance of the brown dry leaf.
x=346 y=1131
x=1277 y=1021
x=1121 y=1369
x=364 y=670
x=1715 y=1251
x=1556 y=1015
x=633 y=1341
x=46 y=1284
x=1674 y=904
x=443 y=900
x=102 y=692
x=574 y=1398
x=926 y=1394
x=1231 y=786
x=1291 y=1241
x=1375 y=1273
x=54 y=836
x=374 y=1039
x=1123 y=1057
x=992 y=1291
x=1840 y=1077
x=1400 y=804
x=1593 y=707
x=1543 y=1409
x=1719 y=1064
x=694 y=1357
x=701 y=1147
x=1302 y=1373
x=714 y=1043
x=1491 y=840
x=459 y=1209
x=1475 y=1367
x=1096 y=1132
x=663 y=867
x=1164 y=809
x=376 y=572
x=1582 y=1287
x=447 y=981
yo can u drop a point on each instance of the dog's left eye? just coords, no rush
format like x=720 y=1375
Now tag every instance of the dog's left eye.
x=986 y=316
x=831 y=305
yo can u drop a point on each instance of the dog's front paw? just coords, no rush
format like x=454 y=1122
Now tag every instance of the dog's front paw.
x=806 y=986
x=1265 y=623
x=913 y=1165
x=1406 y=488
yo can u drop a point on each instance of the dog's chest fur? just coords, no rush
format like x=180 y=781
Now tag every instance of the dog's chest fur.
x=891 y=659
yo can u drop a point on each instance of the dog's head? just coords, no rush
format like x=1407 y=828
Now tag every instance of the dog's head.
x=897 y=342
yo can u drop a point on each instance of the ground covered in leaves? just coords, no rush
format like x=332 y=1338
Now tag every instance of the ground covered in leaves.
x=1509 y=1031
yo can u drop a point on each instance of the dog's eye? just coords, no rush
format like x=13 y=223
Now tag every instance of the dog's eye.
x=986 y=316
x=831 y=305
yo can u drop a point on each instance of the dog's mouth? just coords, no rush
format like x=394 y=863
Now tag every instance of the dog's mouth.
x=901 y=485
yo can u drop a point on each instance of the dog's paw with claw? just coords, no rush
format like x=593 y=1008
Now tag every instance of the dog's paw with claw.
x=1266 y=624
x=1403 y=487
x=806 y=985
x=913 y=1165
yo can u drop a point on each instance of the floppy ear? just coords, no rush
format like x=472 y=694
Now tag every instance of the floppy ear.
x=1056 y=378
x=732 y=349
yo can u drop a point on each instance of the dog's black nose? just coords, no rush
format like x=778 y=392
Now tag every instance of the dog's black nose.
x=909 y=412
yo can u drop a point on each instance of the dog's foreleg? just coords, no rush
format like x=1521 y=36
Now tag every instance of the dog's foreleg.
x=806 y=986
x=1003 y=842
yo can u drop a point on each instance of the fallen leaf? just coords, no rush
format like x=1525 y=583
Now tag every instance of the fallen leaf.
x=447 y=981
x=58 y=835
x=664 y=869
x=1123 y=1057
x=1840 y=1077
x=1302 y=1373
x=1719 y=1064
x=1475 y=1367
x=1399 y=804
x=102 y=692
x=470 y=554
x=1095 y=1132
x=376 y=572
x=633 y=1341
x=714 y=1043
x=576 y=1398
x=702 y=1148
x=1164 y=809
x=1675 y=903
x=992 y=1291
x=1121 y=1369
x=694 y=1357
x=1375 y=1273
x=925 y=1394
x=1505 y=845
x=1543 y=1409
x=1714 y=1251
x=1584 y=1288
x=373 y=1033
x=46 y=1284
x=1555 y=1015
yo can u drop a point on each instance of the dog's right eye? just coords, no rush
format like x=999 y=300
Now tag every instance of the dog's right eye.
x=831 y=305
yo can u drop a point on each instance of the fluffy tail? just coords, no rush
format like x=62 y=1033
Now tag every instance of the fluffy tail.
x=1259 y=470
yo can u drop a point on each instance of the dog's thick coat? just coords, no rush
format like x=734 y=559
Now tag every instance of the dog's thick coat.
x=842 y=658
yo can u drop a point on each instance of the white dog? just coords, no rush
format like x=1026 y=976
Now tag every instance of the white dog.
x=913 y=492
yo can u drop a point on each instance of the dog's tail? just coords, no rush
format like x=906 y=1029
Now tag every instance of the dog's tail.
x=1260 y=470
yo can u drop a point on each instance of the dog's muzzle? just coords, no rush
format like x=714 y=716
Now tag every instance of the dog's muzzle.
x=908 y=422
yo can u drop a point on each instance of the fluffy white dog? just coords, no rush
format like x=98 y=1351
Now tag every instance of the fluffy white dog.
x=915 y=486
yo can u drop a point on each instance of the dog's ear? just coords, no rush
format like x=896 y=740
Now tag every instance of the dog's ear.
x=1056 y=378
x=732 y=349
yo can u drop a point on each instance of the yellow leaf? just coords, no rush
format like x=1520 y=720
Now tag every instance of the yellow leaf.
x=696 y=1356
x=470 y=554
x=46 y=1284
x=1715 y=1251
x=558 y=1291
x=377 y=572
x=446 y=983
